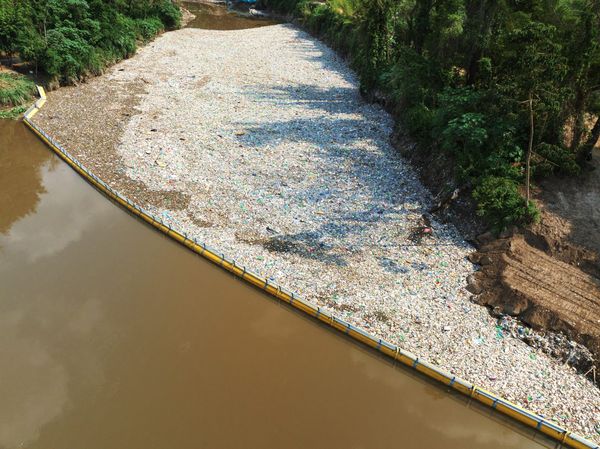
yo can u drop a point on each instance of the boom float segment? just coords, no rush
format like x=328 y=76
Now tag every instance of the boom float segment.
x=395 y=352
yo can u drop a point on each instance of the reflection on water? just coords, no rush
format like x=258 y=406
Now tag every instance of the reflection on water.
x=112 y=336
x=64 y=219
x=33 y=385
x=216 y=16
x=20 y=185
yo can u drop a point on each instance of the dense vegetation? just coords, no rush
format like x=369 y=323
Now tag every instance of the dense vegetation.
x=491 y=84
x=71 y=39
x=15 y=91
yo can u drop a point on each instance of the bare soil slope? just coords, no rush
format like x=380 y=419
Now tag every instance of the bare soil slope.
x=543 y=291
x=549 y=275
x=571 y=217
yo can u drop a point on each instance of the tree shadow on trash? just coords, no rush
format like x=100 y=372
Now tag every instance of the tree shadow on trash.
x=337 y=100
x=308 y=245
x=317 y=52
x=345 y=144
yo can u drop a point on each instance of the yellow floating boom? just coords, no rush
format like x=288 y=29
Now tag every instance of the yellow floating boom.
x=393 y=351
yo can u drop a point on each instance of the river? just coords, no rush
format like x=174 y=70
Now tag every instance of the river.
x=113 y=336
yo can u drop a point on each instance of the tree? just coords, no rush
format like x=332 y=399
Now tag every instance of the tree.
x=376 y=32
x=12 y=20
x=480 y=18
x=71 y=39
x=585 y=76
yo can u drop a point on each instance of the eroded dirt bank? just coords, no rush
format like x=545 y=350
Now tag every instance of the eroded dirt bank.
x=518 y=279
x=258 y=143
x=549 y=273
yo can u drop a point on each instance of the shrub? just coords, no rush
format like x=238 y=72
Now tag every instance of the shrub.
x=70 y=39
x=169 y=14
x=68 y=55
x=500 y=203
x=120 y=38
x=15 y=89
x=13 y=113
x=554 y=159
x=418 y=120
x=148 y=28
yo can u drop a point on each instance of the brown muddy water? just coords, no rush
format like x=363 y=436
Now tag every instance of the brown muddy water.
x=217 y=16
x=113 y=336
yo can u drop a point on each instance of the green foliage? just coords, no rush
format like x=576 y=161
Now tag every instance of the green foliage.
x=501 y=204
x=11 y=22
x=376 y=32
x=404 y=80
x=67 y=53
x=148 y=28
x=15 y=89
x=466 y=133
x=418 y=120
x=12 y=113
x=169 y=14
x=71 y=39
x=459 y=74
x=554 y=159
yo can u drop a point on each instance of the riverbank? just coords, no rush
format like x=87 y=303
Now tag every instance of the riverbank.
x=556 y=292
x=16 y=92
x=279 y=163
x=157 y=355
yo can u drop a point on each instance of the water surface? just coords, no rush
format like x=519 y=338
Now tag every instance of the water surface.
x=112 y=336
x=218 y=16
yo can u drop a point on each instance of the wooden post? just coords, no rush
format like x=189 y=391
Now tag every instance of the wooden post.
x=529 y=149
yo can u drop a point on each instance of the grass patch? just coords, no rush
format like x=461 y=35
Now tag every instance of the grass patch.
x=12 y=113
x=15 y=90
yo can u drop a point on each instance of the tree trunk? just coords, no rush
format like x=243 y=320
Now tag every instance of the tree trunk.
x=529 y=149
x=585 y=151
x=422 y=25
x=579 y=124
x=480 y=18
x=582 y=67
